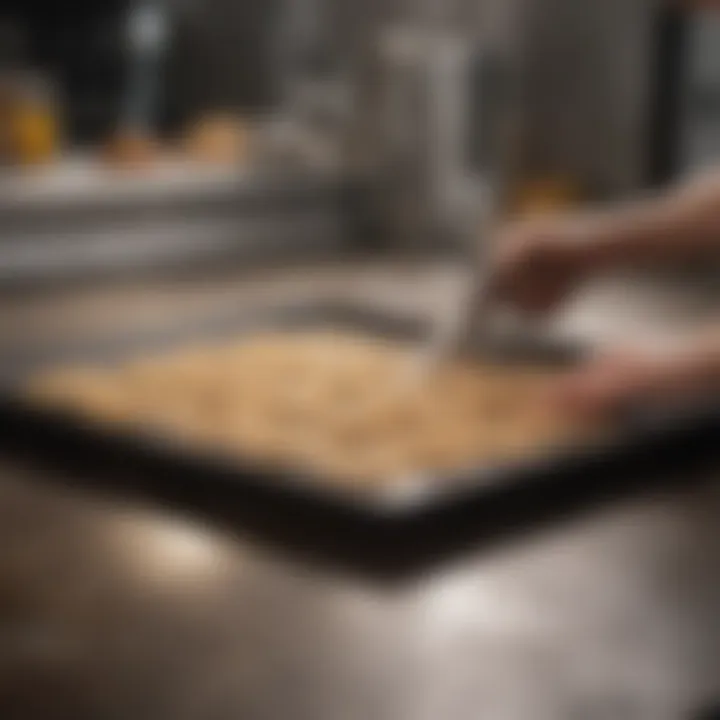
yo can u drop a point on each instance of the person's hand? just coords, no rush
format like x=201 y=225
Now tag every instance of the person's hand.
x=612 y=384
x=539 y=262
x=607 y=386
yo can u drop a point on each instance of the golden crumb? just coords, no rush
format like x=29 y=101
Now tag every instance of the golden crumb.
x=334 y=404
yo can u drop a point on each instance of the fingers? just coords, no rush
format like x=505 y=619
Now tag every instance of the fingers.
x=537 y=264
x=604 y=388
x=613 y=385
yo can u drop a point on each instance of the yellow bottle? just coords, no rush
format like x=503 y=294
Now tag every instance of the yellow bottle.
x=35 y=125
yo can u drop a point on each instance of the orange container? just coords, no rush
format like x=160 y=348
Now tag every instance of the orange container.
x=547 y=196
x=34 y=125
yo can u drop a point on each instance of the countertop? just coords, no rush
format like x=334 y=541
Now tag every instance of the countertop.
x=78 y=217
x=121 y=611
x=81 y=180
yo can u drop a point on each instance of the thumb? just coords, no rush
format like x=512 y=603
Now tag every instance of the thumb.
x=605 y=387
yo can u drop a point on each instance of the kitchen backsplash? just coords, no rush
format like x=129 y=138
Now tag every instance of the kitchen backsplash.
x=700 y=144
x=589 y=69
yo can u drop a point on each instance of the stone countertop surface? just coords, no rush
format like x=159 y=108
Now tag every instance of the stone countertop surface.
x=121 y=611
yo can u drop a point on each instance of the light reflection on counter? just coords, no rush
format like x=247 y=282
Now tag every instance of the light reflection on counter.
x=170 y=554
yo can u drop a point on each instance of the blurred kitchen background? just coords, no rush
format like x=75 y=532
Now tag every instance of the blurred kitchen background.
x=163 y=162
x=166 y=132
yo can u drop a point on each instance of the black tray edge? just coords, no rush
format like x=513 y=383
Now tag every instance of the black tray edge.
x=394 y=543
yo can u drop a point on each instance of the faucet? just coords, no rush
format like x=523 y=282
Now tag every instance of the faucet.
x=436 y=132
x=146 y=44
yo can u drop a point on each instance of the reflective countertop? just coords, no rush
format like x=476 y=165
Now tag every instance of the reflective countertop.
x=121 y=611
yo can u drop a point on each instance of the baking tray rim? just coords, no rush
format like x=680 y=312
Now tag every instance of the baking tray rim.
x=400 y=496
x=353 y=530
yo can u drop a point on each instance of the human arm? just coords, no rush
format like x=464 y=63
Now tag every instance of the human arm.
x=540 y=261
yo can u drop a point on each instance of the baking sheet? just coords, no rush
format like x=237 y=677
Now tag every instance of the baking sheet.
x=389 y=532
x=510 y=348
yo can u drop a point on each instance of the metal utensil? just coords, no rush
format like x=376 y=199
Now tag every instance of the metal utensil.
x=470 y=315
x=477 y=208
